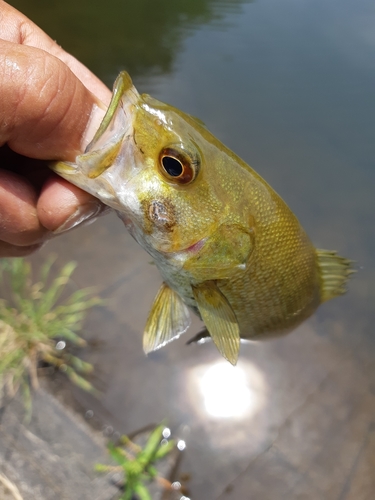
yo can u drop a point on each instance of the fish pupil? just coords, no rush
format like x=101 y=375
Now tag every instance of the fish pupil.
x=172 y=166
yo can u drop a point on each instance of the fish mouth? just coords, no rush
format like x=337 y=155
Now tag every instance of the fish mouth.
x=115 y=124
x=107 y=164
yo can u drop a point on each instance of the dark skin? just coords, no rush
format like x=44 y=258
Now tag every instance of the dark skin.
x=51 y=106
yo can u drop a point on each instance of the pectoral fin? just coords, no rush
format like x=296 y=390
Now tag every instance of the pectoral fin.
x=168 y=319
x=219 y=318
x=227 y=249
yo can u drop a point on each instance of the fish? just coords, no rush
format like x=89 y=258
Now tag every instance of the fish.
x=227 y=246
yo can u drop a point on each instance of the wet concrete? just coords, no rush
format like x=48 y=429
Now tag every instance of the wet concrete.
x=50 y=454
x=294 y=419
x=289 y=87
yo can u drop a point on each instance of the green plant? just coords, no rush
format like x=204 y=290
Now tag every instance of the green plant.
x=35 y=323
x=138 y=463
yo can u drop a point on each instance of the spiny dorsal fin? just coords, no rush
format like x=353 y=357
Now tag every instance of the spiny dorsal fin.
x=335 y=272
x=168 y=319
x=219 y=318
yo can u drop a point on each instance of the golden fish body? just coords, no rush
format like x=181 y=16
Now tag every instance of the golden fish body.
x=225 y=243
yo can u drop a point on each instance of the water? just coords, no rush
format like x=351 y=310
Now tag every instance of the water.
x=289 y=86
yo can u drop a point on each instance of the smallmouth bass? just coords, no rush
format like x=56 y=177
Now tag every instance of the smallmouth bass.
x=226 y=245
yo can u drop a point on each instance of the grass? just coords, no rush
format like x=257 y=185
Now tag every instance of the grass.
x=36 y=325
x=138 y=464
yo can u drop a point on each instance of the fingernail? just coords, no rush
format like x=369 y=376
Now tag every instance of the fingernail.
x=84 y=213
x=96 y=117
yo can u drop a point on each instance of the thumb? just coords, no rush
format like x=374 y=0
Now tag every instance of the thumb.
x=46 y=112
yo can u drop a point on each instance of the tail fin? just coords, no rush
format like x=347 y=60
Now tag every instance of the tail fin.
x=335 y=272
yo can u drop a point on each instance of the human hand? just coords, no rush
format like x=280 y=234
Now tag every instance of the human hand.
x=51 y=105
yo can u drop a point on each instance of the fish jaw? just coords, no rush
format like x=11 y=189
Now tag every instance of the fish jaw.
x=110 y=159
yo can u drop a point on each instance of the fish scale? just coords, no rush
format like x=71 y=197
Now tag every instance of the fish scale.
x=227 y=246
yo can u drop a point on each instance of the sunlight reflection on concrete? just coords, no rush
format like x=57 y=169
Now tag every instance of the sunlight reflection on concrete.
x=226 y=391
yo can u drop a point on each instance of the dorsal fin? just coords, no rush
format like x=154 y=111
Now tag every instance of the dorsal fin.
x=168 y=319
x=335 y=272
x=219 y=318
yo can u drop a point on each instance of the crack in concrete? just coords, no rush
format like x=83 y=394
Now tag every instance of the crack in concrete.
x=279 y=431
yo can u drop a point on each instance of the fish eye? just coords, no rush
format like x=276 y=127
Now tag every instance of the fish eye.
x=172 y=166
x=177 y=165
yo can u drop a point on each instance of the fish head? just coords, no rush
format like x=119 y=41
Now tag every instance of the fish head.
x=158 y=167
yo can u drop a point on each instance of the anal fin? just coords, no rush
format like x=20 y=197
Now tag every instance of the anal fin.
x=219 y=318
x=200 y=337
x=168 y=319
